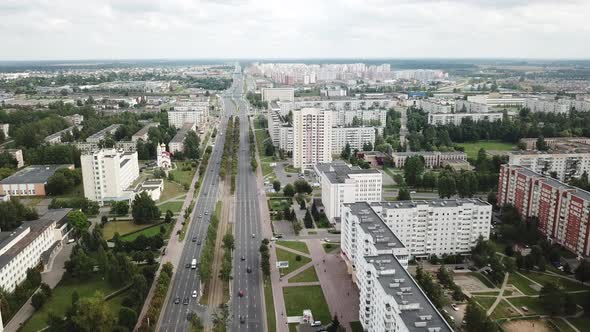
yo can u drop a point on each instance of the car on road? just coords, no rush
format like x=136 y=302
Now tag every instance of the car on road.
x=187 y=265
x=242 y=319
x=185 y=301
x=194 y=239
x=200 y=215
x=206 y=212
x=243 y=258
x=241 y=293
x=194 y=293
x=326 y=239
x=177 y=300
x=455 y=307
x=198 y=243
x=248 y=269
x=253 y=235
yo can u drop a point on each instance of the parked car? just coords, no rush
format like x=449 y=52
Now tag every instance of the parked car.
x=186 y=300
x=455 y=307
x=248 y=269
x=241 y=293
x=194 y=293
x=177 y=300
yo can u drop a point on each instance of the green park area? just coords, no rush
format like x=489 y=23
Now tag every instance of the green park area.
x=295 y=245
x=61 y=300
x=331 y=247
x=183 y=173
x=171 y=190
x=307 y=275
x=120 y=226
x=300 y=298
x=174 y=206
x=294 y=262
x=279 y=203
x=147 y=232
x=473 y=148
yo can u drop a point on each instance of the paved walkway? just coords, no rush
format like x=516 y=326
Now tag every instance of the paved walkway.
x=500 y=296
x=341 y=294
x=51 y=277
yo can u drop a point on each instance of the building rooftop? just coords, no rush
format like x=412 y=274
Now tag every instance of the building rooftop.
x=101 y=133
x=432 y=203
x=371 y=223
x=427 y=153
x=179 y=137
x=338 y=171
x=35 y=228
x=417 y=312
x=58 y=134
x=33 y=174
x=143 y=131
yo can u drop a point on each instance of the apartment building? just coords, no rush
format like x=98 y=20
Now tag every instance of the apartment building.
x=107 y=173
x=32 y=243
x=390 y=299
x=342 y=184
x=281 y=94
x=75 y=119
x=432 y=159
x=496 y=99
x=4 y=128
x=562 y=211
x=55 y=138
x=466 y=106
x=286 y=138
x=563 y=164
x=312 y=137
x=437 y=227
x=17 y=154
x=434 y=106
x=367 y=117
x=176 y=144
x=548 y=105
x=457 y=118
x=103 y=133
x=338 y=105
x=142 y=134
x=356 y=137
x=181 y=115
x=29 y=181
x=556 y=142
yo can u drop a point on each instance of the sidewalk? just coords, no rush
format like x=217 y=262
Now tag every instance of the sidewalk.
x=51 y=277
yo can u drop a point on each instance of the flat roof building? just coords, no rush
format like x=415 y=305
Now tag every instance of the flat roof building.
x=30 y=181
x=102 y=134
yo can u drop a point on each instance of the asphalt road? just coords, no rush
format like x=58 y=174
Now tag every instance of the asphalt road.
x=186 y=280
x=247 y=230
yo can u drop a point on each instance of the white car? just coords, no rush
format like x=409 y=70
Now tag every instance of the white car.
x=194 y=293
x=454 y=306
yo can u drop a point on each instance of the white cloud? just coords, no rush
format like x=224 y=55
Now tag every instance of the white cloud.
x=107 y=29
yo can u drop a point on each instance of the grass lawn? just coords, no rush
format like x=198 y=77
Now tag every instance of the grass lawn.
x=183 y=173
x=307 y=297
x=291 y=169
x=284 y=255
x=279 y=204
x=174 y=206
x=483 y=279
x=293 y=327
x=267 y=171
x=523 y=284
x=295 y=245
x=61 y=300
x=582 y=323
x=562 y=326
x=568 y=285
x=356 y=326
x=308 y=275
x=473 y=148
x=331 y=247
x=171 y=190
x=271 y=320
x=485 y=302
x=149 y=231
x=532 y=303
x=494 y=293
x=504 y=310
x=121 y=227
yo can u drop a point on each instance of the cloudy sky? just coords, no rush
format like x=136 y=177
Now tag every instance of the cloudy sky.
x=136 y=29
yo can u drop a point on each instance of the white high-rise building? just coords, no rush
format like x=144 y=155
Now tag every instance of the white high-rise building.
x=441 y=226
x=390 y=299
x=312 y=137
x=177 y=118
x=107 y=173
x=565 y=164
x=344 y=184
x=282 y=94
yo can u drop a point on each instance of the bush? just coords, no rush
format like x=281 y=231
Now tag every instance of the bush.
x=298 y=258
x=38 y=300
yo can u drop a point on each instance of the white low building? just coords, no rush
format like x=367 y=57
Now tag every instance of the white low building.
x=176 y=144
x=457 y=118
x=281 y=94
x=196 y=112
x=390 y=299
x=466 y=106
x=32 y=243
x=107 y=173
x=344 y=184
x=103 y=133
x=432 y=159
x=564 y=164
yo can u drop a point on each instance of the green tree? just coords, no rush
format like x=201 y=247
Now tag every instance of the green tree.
x=289 y=190
x=93 y=314
x=541 y=145
x=120 y=208
x=446 y=185
x=302 y=187
x=191 y=145
x=346 y=152
x=144 y=209
x=38 y=300
x=228 y=241
x=78 y=222
x=307 y=221
x=551 y=297
x=403 y=194
x=276 y=185
x=413 y=169
x=127 y=317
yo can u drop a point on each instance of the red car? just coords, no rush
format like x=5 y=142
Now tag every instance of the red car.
x=241 y=293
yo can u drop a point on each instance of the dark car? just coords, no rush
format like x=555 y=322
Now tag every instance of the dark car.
x=242 y=320
x=243 y=258
x=248 y=269
x=187 y=265
x=185 y=302
x=194 y=239
x=241 y=293
x=177 y=300
x=198 y=243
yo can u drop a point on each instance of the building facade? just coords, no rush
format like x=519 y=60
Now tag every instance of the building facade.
x=466 y=106
x=108 y=173
x=312 y=137
x=344 y=184
x=281 y=94
x=432 y=159
x=457 y=118
x=29 y=181
x=562 y=211
x=356 y=137
x=563 y=164
x=176 y=144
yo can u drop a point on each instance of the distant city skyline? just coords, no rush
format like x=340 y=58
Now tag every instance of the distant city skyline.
x=265 y=29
